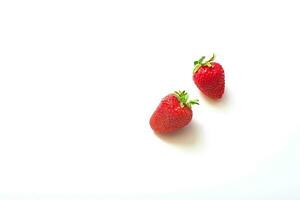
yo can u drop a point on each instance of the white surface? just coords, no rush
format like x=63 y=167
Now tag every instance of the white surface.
x=80 y=79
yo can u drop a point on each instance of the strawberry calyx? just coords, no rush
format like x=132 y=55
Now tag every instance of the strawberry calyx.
x=183 y=98
x=199 y=63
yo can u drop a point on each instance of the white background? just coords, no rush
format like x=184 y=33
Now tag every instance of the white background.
x=79 y=81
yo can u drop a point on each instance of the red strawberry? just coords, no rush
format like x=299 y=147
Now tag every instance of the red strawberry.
x=173 y=112
x=209 y=77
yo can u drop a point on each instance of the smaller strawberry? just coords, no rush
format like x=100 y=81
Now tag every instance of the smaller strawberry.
x=209 y=77
x=173 y=112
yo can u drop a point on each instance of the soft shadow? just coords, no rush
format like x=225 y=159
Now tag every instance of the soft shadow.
x=222 y=103
x=188 y=137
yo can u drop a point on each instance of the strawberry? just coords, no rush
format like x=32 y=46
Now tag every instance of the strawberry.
x=173 y=112
x=209 y=77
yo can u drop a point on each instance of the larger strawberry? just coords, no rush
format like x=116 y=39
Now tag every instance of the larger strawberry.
x=173 y=112
x=209 y=77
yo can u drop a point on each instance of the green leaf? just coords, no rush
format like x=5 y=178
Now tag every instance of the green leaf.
x=183 y=97
x=196 y=68
x=194 y=102
x=198 y=64
x=201 y=60
x=210 y=60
